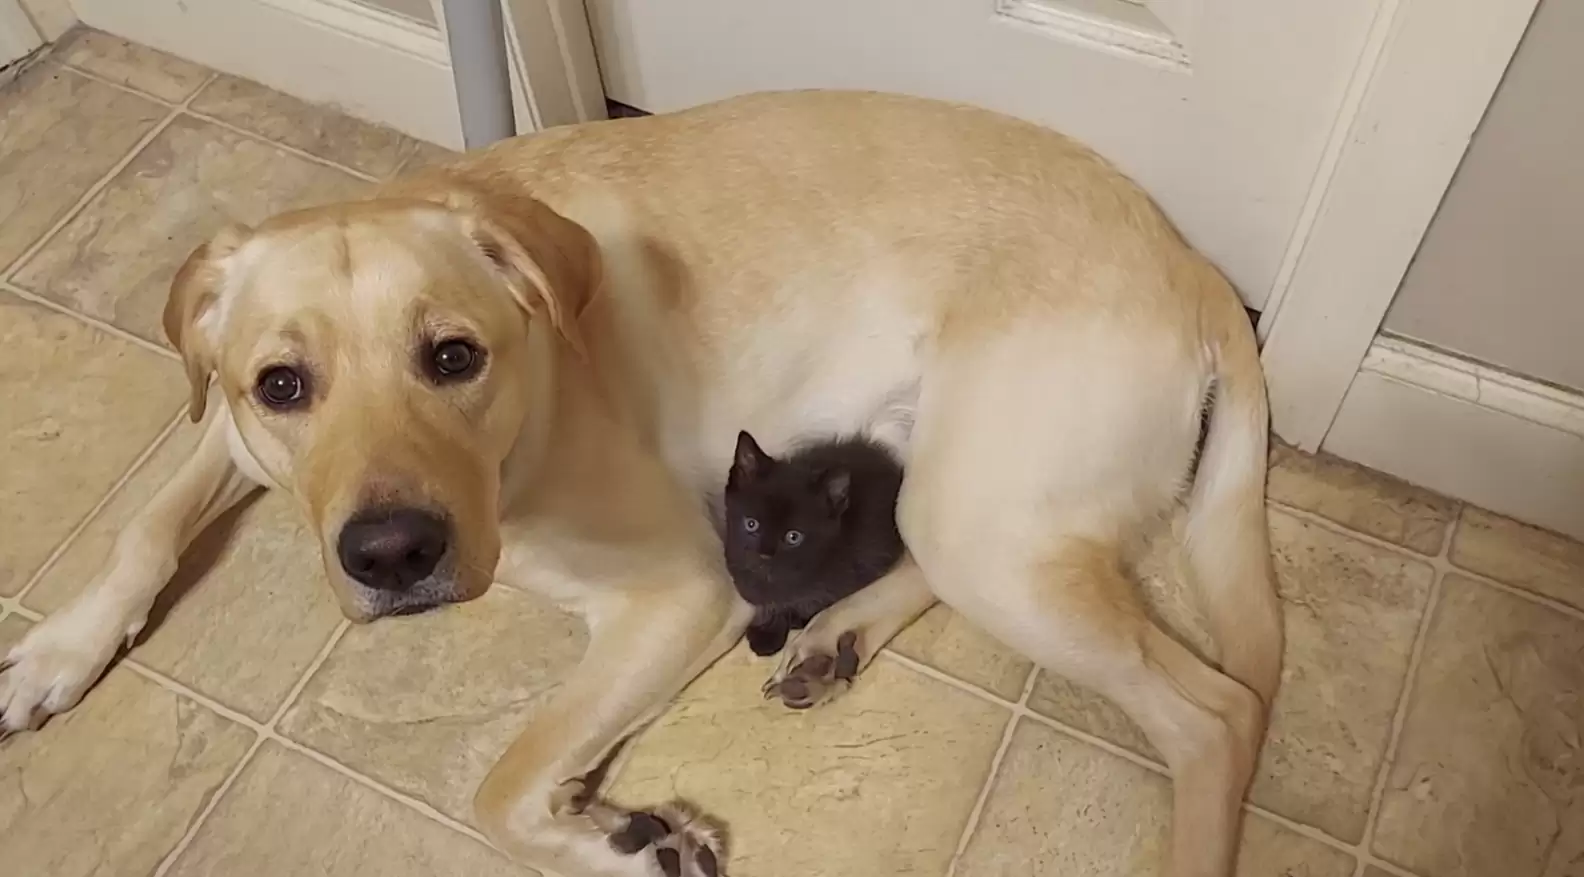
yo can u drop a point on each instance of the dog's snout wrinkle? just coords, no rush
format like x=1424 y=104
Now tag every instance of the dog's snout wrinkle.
x=392 y=549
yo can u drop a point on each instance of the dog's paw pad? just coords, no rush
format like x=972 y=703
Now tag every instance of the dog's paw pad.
x=818 y=677
x=642 y=830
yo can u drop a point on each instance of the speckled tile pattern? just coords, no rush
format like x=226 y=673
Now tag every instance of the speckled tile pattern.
x=115 y=259
x=317 y=130
x=1429 y=723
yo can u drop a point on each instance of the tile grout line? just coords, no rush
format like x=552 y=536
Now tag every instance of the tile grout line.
x=116 y=486
x=100 y=184
x=261 y=733
x=971 y=825
x=1439 y=562
x=1021 y=711
x=292 y=150
x=266 y=732
x=1442 y=565
x=184 y=107
x=108 y=328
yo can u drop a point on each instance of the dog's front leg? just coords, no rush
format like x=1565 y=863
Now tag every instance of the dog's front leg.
x=645 y=644
x=56 y=662
x=822 y=660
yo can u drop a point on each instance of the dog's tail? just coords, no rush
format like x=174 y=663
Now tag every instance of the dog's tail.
x=1227 y=540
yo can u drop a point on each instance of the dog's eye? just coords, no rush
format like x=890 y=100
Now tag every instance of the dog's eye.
x=456 y=359
x=751 y=524
x=280 y=387
x=794 y=538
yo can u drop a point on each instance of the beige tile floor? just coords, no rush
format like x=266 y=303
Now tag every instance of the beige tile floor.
x=1430 y=722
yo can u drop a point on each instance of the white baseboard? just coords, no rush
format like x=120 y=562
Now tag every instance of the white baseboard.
x=372 y=64
x=1501 y=441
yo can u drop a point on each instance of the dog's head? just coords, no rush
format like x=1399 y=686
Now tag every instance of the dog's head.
x=377 y=361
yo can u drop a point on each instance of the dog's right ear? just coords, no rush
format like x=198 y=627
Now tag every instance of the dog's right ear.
x=191 y=303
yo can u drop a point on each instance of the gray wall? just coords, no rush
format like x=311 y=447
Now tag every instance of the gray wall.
x=1500 y=274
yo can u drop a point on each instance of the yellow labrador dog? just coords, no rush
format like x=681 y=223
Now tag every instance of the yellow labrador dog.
x=530 y=367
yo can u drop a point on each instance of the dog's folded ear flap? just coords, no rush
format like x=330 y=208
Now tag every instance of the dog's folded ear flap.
x=551 y=264
x=192 y=298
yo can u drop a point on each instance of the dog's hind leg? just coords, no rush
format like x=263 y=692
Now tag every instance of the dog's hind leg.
x=822 y=659
x=59 y=659
x=1019 y=515
x=645 y=644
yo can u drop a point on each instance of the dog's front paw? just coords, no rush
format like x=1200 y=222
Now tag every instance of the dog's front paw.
x=815 y=671
x=54 y=665
x=671 y=841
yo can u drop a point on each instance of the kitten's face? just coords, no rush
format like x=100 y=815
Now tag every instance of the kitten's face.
x=779 y=517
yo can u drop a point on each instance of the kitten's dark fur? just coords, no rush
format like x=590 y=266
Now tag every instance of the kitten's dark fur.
x=807 y=530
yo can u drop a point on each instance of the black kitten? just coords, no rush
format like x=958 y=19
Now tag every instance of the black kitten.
x=807 y=530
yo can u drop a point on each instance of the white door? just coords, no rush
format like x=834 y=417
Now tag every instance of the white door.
x=1220 y=108
x=18 y=37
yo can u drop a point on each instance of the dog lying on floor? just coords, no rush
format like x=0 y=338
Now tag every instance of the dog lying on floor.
x=530 y=365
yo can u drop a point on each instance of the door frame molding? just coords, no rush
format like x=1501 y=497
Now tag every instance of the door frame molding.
x=375 y=65
x=1427 y=73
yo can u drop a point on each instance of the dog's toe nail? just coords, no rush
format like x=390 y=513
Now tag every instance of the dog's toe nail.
x=6 y=664
x=670 y=861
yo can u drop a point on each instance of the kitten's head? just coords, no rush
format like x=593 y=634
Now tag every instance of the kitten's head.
x=780 y=515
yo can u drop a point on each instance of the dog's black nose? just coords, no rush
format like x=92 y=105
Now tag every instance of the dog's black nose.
x=392 y=549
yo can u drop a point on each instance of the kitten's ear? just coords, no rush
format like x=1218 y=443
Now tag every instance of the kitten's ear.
x=749 y=462
x=836 y=485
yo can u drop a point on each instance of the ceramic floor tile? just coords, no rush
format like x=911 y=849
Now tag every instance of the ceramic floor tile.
x=426 y=704
x=1059 y=806
x=290 y=815
x=108 y=789
x=63 y=132
x=1352 y=612
x=879 y=782
x=1082 y=709
x=1360 y=499
x=249 y=609
x=115 y=260
x=80 y=407
x=1520 y=555
x=137 y=67
x=1489 y=774
x=1162 y=577
x=949 y=643
x=318 y=130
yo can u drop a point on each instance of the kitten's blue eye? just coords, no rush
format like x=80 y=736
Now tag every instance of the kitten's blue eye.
x=751 y=524
x=794 y=538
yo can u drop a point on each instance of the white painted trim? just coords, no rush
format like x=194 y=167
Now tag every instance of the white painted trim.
x=1423 y=83
x=1410 y=362
x=373 y=64
x=1501 y=441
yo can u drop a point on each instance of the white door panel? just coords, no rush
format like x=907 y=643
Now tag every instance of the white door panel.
x=1221 y=108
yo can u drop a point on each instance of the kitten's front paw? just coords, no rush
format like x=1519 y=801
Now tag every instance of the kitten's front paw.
x=765 y=640
x=813 y=672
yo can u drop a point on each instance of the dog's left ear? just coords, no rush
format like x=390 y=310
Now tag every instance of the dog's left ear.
x=550 y=263
x=191 y=302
